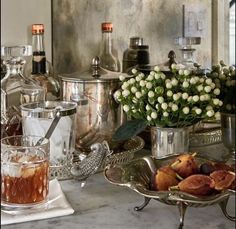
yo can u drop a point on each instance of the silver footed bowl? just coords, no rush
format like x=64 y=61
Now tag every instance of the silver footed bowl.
x=138 y=175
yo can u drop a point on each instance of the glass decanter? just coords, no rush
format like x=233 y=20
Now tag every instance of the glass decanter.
x=16 y=89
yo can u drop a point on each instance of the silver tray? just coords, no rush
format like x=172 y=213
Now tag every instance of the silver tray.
x=127 y=153
x=138 y=174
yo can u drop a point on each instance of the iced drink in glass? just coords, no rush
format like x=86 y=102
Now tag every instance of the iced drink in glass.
x=24 y=171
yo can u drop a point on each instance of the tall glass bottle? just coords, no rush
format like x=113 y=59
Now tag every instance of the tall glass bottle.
x=107 y=58
x=40 y=65
x=16 y=89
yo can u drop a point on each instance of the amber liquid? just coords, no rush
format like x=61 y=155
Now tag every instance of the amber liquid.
x=28 y=188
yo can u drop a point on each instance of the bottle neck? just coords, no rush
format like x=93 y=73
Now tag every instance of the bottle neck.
x=106 y=43
x=39 y=56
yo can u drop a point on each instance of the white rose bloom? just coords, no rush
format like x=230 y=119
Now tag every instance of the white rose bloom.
x=185 y=110
x=157 y=106
x=175 y=97
x=186 y=72
x=190 y=98
x=124 y=86
x=198 y=111
x=156 y=68
x=181 y=72
x=170 y=104
x=148 y=85
x=138 y=94
x=134 y=71
x=184 y=95
x=207 y=97
x=216 y=101
x=216 y=91
x=157 y=76
x=150 y=77
x=220 y=103
x=126 y=108
x=228 y=107
x=125 y=93
x=195 y=98
x=141 y=75
x=134 y=100
x=201 y=80
x=174 y=82
x=164 y=106
x=196 y=78
x=165 y=114
x=185 y=84
x=212 y=85
x=207 y=89
x=152 y=73
x=174 y=107
x=151 y=94
x=154 y=115
x=192 y=80
x=217 y=115
x=208 y=81
x=133 y=89
x=210 y=113
x=168 y=85
x=180 y=94
x=122 y=78
x=200 y=87
x=132 y=81
x=202 y=97
x=163 y=76
x=148 y=107
x=169 y=93
x=143 y=92
x=160 y=99
x=149 y=118
x=138 y=78
x=167 y=81
x=208 y=108
x=117 y=94
x=142 y=83
x=173 y=66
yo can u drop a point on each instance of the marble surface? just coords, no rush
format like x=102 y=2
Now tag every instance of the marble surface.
x=77 y=29
x=101 y=205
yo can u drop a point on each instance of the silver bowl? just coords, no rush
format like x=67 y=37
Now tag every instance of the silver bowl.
x=138 y=174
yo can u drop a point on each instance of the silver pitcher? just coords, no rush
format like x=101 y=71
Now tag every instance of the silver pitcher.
x=167 y=141
x=98 y=114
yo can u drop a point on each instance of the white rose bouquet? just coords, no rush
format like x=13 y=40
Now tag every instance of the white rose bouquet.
x=178 y=101
x=225 y=78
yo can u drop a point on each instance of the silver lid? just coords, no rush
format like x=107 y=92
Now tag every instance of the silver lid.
x=95 y=74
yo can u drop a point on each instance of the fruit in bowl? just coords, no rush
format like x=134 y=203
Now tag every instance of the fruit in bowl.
x=185 y=173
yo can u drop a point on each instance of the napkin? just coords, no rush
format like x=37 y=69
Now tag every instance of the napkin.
x=57 y=205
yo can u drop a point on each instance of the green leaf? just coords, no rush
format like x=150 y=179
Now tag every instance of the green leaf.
x=129 y=129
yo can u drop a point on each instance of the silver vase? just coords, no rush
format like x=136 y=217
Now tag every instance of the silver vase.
x=168 y=141
x=228 y=134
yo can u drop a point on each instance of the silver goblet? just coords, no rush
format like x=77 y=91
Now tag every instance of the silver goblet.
x=228 y=134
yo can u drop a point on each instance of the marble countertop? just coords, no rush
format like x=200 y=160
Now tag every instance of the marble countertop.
x=101 y=205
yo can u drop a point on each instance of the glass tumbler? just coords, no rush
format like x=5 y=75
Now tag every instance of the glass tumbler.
x=24 y=171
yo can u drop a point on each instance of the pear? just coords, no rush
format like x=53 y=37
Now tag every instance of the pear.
x=185 y=165
x=197 y=184
x=165 y=178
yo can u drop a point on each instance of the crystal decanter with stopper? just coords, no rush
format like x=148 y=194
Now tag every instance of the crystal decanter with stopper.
x=16 y=89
